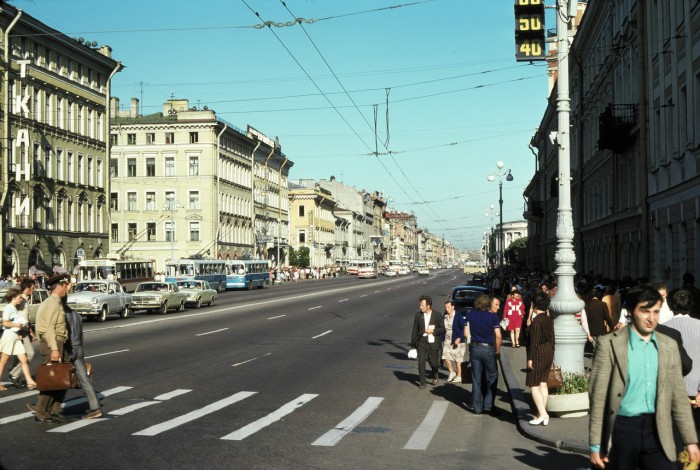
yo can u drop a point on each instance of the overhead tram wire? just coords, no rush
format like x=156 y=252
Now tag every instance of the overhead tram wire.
x=384 y=144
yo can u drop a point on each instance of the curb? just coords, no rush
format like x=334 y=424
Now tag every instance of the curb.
x=521 y=410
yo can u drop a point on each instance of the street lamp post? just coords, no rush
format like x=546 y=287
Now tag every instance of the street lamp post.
x=491 y=178
x=490 y=213
x=170 y=205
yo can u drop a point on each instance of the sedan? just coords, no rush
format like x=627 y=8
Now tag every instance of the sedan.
x=463 y=297
x=198 y=292
x=37 y=298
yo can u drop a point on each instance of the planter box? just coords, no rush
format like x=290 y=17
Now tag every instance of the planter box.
x=574 y=405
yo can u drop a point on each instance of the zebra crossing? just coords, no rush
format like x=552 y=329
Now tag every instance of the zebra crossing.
x=420 y=440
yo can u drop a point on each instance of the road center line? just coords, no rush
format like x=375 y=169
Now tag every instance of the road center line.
x=250 y=360
x=343 y=300
x=314 y=308
x=196 y=414
x=273 y=417
x=318 y=336
x=363 y=295
x=278 y=316
x=424 y=434
x=106 y=354
x=210 y=332
x=346 y=426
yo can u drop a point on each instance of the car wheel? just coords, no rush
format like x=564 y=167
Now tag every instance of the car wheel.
x=103 y=314
x=126 y=312
x=199 y=303
x=164 y=308
x=211 y=302
x=181 y=307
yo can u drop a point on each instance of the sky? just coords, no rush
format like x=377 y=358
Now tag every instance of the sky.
x=417 y=100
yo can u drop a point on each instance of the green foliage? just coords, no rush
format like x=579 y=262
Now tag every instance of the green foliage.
x=572 y=383
x=513 y=251
x=293 y=257
x=303 y=259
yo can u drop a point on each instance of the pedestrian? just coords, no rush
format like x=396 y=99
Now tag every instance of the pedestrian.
x=53 y=334
x=27 y=288
x=597 y=314
x=427 y=328
x=666 y=313
x=484 y=329
x=453 y=342
x=689 y=285
x=11 y=342
x=77 y=357
x=514 y=312
x=637 y=395
x=540 y=356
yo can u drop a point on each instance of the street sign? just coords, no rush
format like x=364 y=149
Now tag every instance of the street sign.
x=529 y=30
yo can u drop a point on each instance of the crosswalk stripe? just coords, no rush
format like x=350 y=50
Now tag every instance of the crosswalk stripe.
x=173 y=394
x=346 y=426
x=193 y=415
x=76 y=425
x=18 y=396
x=75 y=401
x=424 y=434
x=273 y=417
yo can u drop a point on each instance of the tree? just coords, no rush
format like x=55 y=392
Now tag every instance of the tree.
x=293 y=257
x=303 y=259
x=514 y=250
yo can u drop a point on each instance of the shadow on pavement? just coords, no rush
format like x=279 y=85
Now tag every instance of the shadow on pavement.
x=552 y=458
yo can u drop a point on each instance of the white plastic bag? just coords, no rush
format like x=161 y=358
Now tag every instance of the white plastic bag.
x=413 y=354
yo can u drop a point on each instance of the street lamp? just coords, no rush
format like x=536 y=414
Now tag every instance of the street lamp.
x=490 y=213
x=171 y=204
x=491 y=178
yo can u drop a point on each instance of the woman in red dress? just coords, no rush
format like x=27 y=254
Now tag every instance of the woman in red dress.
x=514 y=312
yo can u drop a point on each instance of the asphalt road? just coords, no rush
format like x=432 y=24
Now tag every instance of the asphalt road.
x=310 y=375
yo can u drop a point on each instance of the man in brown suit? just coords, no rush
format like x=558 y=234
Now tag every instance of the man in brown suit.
x=637 y=394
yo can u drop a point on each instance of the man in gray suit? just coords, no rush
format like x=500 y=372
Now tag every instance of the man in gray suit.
x=637 y=394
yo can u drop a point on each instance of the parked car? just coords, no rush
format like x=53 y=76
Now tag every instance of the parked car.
x=99 y=298
x=423 y=271
x=198 y=292
x=390 y=272
x=404 y=271
x=158 y=296
x=463 y=297
x=367 y=272
x=37 y=298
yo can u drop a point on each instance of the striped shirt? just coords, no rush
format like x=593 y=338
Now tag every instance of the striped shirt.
x=642 y=375
x=690 y=332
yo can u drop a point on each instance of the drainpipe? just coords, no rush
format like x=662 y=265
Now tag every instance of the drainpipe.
x=252 y=193
x=218 y=193
x=108 y=147
x=279 y=210
x=6 y=111
x=264 y=203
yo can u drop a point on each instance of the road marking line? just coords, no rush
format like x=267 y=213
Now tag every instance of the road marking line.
x=250 y=360
x=343 y=300
x=210 y=332
x=377 y=291
x=346 y=426
x=173 y=394
x=278 y=316
x=318 y=336
x=106 y=354
x=196 y=414
x=424 y=434
x=363 y=295
x=273 y=417
x=314 y=308
x=19 y=396
x=76 y=401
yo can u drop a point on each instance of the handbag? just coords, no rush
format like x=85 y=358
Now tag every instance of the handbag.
x=56 y=376
x=554 y=378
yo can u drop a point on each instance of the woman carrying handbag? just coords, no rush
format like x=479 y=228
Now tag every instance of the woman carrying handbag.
x=11 y=342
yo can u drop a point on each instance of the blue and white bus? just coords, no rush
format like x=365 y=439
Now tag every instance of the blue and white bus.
x=211 y=270
x=247 y=273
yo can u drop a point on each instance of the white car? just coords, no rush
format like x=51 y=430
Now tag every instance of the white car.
x=198 y=292
x=99 y=298
x=423 y=272
x=390 y=272
x=158 y=297
x=367 y=272
x=404 y=271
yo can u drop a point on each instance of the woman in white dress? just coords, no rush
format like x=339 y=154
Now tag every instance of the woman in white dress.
x=11 y=341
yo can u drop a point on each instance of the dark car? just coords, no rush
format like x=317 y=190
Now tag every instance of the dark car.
x=463 y=297
x=477 y=280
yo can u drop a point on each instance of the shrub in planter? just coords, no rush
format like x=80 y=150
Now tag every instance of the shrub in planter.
x=572 y=383
x=571 y=399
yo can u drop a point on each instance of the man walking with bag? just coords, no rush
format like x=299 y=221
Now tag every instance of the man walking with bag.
x=428 y=327
x=53 y=334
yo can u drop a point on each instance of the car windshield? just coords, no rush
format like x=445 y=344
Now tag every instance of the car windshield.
x=153 y=287
x=466 y=295
x=189 y=285
x=91 y=287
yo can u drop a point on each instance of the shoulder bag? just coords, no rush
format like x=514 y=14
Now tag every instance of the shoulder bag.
x=554 y=377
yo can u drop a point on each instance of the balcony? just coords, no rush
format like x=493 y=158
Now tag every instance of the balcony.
x=534 y=210
x=615 y=127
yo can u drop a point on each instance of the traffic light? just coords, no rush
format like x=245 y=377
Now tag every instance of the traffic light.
x=529 y=30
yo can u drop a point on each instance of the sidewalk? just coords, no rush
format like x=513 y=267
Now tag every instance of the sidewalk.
x=570 y=434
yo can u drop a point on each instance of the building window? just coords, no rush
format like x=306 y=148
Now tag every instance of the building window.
x=169 y=231
x=114 y=202
x=301 y=211
x=150 y=167
x=90 y=227
x=150 y=201
x=131 y=167
x=113 y=140
x=81 y=170
x=169 y=166
x=131 y=201
x=194 y=137
x=47 y=158
x=194 y=231
x=113 y=167
x=302 y=236
x=151 y=138
x=59 y=164
x=69 y=170
x=131 y=139
x=151 y=231
x=194 y=200
x=115 y=232
x=70 y=215
x=38 y=166
x=132 y=230
x=99 y=174
x=194 y=166
x=169 y=137
x=90 y=172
